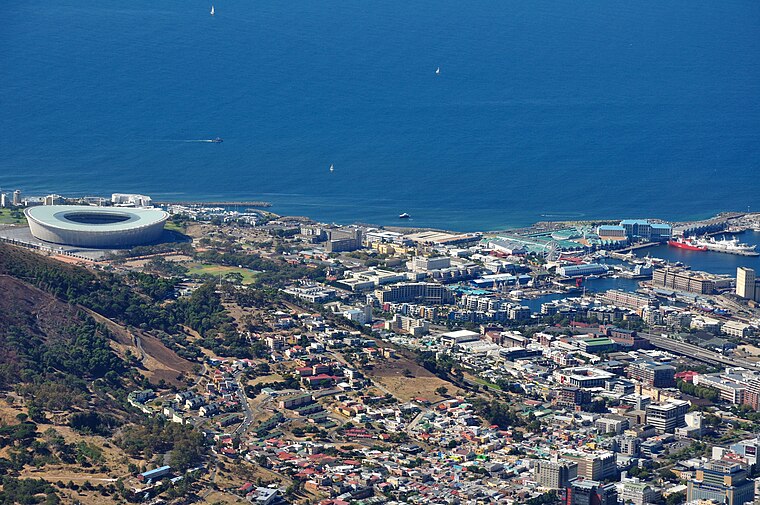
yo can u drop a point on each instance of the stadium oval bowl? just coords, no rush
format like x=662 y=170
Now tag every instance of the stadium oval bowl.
x=96 y=227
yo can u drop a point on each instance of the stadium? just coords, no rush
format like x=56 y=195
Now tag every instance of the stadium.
x=96 y=227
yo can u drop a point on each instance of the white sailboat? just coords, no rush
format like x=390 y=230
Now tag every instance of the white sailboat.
x=332 y=168
x=212 y=10
x=438 y=71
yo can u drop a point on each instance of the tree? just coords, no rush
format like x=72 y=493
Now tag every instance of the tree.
x=675 y=498
x=441 y=390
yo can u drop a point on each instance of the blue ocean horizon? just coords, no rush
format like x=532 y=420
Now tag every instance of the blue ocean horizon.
x=542 y=110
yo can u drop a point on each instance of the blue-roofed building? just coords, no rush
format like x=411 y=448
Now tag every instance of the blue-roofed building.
x=643 y=229
x=155 y=473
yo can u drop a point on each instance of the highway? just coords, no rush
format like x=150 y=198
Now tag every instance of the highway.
x=698 y=353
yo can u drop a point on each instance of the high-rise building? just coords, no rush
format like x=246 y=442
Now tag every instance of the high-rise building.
x=343 y=240
x=722 y=481
x=555 y=474
x=17 y=198
x=571 y=396
x=3 y=200
x=595 y=466
x=590 y=492
x=745 y=282
x=53 y=200
x=630 y=446
x=652 y=373
x=668 y=416
x=752 y=394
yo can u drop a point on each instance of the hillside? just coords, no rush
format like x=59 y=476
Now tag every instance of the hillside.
x=65 y=372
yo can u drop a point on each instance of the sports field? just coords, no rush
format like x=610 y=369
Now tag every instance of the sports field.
x=206 y=270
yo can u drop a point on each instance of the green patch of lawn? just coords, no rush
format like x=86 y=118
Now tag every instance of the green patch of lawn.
x=208 y=270
x=7 y=218
x=484 y=382
x=172 y=226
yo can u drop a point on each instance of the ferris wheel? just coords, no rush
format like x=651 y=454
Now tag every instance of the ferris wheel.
x=551 y=251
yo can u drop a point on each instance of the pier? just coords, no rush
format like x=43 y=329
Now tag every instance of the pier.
x=257 y=204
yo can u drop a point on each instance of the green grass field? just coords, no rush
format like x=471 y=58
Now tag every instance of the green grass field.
x=171 y=225
x=6 y=218
x=206 y=270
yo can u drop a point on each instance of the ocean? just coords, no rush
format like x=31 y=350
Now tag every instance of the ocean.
x=542 y=109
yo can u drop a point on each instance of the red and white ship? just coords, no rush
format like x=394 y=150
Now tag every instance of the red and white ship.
x=686 y=243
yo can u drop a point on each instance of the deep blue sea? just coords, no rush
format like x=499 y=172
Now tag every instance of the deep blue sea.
x=542 y=109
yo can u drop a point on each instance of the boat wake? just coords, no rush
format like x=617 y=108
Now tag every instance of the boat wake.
x=189 y=141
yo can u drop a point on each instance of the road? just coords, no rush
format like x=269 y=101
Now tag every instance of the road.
x=698 y=353
x=243 y=403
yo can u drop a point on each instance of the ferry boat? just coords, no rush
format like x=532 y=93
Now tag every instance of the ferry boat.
x=729 y=246
x=404 y=215
x=686 y=243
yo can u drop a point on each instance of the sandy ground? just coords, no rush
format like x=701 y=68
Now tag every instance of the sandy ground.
x=421 y=384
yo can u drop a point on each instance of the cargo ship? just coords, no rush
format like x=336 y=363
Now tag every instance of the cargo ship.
x=730 y=246
x=686 y=243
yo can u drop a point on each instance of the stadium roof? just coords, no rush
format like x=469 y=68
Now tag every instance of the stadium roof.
x=95 y=219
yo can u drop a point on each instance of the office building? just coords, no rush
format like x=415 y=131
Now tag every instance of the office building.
x=572 y=397
x=722 y=481
x=421 y=292
x=590 y=492
x=53 y=200
x=668 y=416
x=423 y=264
x=612 y=423
x=627 y=300
x=17 y=198
x=344 y=240
x=361 y=316
x=652 y=373
x=732 y=383
x=555 y=474
x=737 y=329
x=644 y=230
x=636 y=492
x=130 y=200
x=594 y=466
x=582 y=376
x=413 y=326
x=630 y=446
x=746 y=283
x=752 y=394
x=693 y=428
x=683 y=280
x=748 y=448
